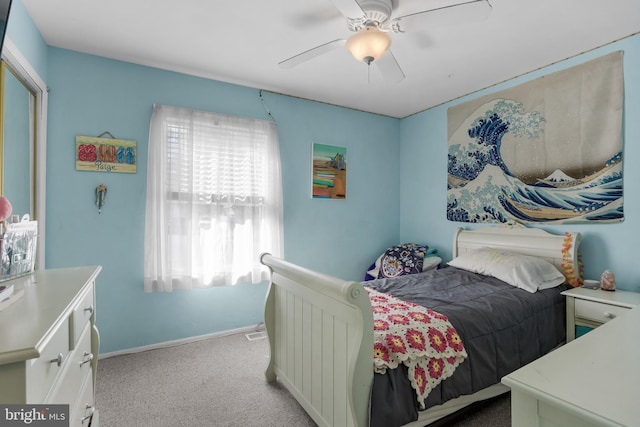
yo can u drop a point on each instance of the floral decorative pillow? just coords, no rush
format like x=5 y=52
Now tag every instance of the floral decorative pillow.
x=522 y=271
x=402 y=259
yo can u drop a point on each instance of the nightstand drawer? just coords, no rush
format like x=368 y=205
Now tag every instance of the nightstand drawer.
x=597 y=311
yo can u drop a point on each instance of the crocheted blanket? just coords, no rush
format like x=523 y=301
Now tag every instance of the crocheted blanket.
x=418 y=337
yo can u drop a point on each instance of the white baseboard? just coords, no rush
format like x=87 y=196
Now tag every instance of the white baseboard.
x=166 y=344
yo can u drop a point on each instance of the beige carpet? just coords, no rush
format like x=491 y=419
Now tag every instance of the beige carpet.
x=214 y=382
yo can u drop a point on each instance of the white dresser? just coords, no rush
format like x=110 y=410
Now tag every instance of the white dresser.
x=49 y=342
x=591 y=381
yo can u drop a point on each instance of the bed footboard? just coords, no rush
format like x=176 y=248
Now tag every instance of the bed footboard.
x=320 y=331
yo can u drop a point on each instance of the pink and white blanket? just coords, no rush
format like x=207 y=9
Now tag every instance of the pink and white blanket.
x=418 y=337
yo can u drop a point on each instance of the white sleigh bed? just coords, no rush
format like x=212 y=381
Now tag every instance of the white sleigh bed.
x=320 y=329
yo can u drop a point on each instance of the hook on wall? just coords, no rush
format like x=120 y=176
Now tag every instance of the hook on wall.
x=101 y=195
x=106 y=132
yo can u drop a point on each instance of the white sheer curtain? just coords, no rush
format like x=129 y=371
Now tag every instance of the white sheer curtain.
x=214 y=199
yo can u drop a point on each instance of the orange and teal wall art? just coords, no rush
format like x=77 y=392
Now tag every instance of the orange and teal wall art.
x=329 y=172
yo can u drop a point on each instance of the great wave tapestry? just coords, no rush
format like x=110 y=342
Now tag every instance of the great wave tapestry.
x=546 y=151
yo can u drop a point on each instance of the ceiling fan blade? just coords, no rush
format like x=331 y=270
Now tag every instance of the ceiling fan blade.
x=455 y=14
x=389 y=67
x=312 y=53
x=349 y=8
x=314 y=18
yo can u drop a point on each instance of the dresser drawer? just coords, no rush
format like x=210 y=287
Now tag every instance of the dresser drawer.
x=42 y=371
x=82 y=313
x=75 y=372
x=597 y=311
x=84 y=412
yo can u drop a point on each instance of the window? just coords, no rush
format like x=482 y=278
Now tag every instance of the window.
x=214 y=199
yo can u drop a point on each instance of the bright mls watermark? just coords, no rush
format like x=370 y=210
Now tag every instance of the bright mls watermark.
x=34 y=415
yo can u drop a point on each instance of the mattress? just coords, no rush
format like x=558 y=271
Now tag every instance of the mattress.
x=502 y=328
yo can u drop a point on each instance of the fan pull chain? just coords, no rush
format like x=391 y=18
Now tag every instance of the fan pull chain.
x=368 y=60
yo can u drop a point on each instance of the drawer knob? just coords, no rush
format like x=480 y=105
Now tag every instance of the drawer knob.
x=89 y=309
x=609 y=315
x=57 y=360
x=86 y=358
x=88 y=417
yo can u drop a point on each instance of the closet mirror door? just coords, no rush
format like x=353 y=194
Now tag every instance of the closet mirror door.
x=23 y=141
x=17 y=142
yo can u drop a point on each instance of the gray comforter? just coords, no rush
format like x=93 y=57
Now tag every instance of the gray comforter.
x=502 y=328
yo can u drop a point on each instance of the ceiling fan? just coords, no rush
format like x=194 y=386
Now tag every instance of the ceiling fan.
x=372 y=20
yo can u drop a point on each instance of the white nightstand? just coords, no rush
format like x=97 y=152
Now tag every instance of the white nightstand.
x=593 y=307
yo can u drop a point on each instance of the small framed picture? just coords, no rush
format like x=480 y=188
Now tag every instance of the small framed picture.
x=97 y=154
x=329 y=172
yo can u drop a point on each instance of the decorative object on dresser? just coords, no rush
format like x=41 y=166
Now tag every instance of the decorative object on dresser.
x=49 y=343
x=5 y=209
x=18 y=248
x=5 y=292
x=593 y=307
x=8 y=296
x=591 y=284
x=608 y=281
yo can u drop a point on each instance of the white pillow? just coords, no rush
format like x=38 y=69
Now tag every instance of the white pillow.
x=522 y=271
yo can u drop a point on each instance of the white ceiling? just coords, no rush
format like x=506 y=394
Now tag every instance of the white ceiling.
x=242 y=41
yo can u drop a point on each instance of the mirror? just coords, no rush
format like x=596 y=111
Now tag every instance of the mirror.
x=23 y=130
x=17 y=141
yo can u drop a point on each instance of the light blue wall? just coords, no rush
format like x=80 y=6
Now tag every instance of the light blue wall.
x=89 y=95
x=396 y=186
x=339 y=237
x=423 y=177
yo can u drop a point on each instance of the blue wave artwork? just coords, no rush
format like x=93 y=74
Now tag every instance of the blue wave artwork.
x=482 y=188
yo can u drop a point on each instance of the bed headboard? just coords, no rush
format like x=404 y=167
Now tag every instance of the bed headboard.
x=561 y=250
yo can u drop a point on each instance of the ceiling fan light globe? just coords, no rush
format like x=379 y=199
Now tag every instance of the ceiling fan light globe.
x=368 y=44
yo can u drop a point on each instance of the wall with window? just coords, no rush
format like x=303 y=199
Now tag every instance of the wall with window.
x=90 y=95
x=396 y=186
